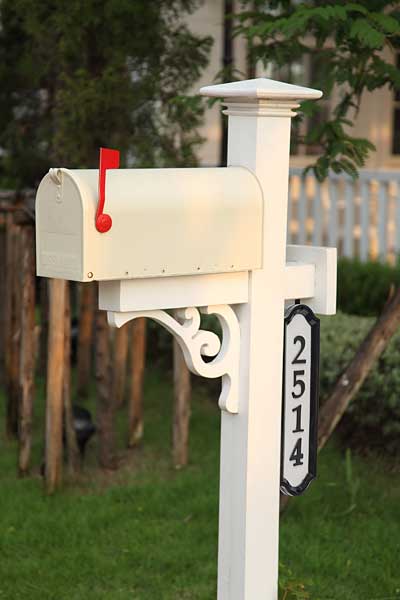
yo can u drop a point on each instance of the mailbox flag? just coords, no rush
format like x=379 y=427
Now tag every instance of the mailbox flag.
x=109 y=159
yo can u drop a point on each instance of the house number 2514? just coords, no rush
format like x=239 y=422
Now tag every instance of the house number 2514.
x=300 y=400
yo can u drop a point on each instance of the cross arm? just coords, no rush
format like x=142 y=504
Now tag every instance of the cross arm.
x=310 y=275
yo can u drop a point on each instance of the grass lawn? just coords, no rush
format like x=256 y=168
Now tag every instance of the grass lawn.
x=149 y=532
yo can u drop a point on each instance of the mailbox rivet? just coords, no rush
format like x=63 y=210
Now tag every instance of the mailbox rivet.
x=90 y=275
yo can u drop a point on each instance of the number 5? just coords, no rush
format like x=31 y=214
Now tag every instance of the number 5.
x=298 y=382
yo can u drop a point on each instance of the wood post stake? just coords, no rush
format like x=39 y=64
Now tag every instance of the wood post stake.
x=55 y=383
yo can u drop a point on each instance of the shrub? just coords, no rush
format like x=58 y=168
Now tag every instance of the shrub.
x=372 y=421
x=363 y=288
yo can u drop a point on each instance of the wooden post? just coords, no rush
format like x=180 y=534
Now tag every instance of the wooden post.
x=138 y=361
x=3 y=302
x=70 y=437
x=88 y=303
x=27 y=348
x=181 y=417
x=105 y=398
x=44 y=325
x=119 y=367
x=55 y=384
x=13 y=333
x=8 y=316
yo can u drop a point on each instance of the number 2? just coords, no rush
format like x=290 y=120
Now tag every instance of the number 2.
x=297 y=360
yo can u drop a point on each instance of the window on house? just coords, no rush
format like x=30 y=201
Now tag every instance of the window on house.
x=396 y=117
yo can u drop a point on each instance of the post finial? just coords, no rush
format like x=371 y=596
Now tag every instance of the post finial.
x=261 y=97
x=260 y=89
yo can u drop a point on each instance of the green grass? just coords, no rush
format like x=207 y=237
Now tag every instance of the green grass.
x=149 y=532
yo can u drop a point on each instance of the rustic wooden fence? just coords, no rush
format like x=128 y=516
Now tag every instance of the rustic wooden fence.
x=36 y=316
x=361 y=218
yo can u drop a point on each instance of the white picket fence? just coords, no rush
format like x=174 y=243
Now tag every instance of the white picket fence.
x=361 y=218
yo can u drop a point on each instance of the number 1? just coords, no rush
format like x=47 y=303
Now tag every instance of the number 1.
x=297 y=410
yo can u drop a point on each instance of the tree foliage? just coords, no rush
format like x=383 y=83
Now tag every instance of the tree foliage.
x=348 y=44
x=79 y=75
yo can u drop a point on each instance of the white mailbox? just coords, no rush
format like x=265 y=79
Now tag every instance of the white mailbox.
x=211 y=241
x=165 y=222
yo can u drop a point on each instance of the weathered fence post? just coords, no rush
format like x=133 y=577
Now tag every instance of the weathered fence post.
x=70 y=437
x=44 y=325
x=13 y=325
x=27 y=348
x=3 y=299
x=138 y=362
x=106 y=405
x=87 y=307
x=121 y=338
x=181 y=416
x=55 y=384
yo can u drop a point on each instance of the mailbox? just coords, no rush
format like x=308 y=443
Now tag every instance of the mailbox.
x=173 y=244
x=165 y=222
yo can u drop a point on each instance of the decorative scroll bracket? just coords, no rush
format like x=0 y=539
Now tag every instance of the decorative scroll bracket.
x=196 y=343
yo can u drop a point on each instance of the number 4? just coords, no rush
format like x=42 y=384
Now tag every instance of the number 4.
x=297 y=455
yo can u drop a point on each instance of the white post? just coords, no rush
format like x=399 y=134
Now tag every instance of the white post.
x=260 y=113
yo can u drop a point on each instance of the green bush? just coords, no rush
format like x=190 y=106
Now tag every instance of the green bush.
x=372 y=421
x=363 y=288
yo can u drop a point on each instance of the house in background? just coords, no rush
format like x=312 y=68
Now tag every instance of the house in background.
x=361 y=218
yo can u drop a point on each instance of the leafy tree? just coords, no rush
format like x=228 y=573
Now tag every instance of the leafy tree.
x=345 y=42
x=79 y=75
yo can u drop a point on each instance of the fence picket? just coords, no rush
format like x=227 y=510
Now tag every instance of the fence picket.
x=290 y=212
x=364 y=220
x=382 y=219
x=338 y=225
x=348 y=234
x=396 y=245
x=302 y=213
x=317 y=215
x=333 y=217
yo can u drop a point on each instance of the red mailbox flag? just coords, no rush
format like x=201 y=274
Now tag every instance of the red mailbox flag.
x=109 y=159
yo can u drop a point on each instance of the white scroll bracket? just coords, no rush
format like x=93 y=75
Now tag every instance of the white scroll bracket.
x=197 y=343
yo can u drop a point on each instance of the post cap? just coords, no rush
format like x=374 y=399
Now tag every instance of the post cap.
x=260 y=89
